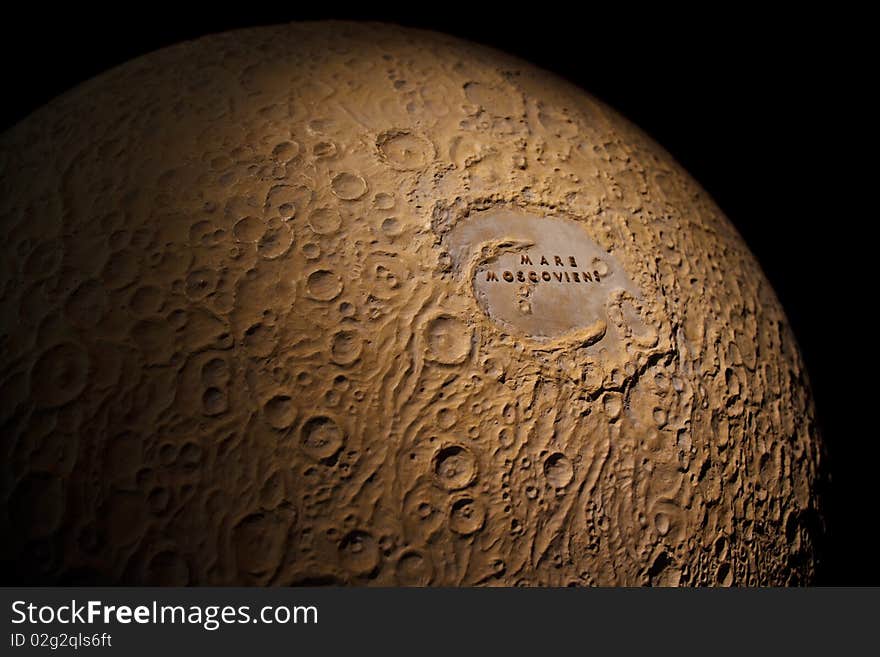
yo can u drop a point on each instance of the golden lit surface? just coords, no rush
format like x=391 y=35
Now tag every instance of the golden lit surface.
x=253 y=334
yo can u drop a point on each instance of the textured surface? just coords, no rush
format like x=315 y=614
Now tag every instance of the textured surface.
x=241 y=344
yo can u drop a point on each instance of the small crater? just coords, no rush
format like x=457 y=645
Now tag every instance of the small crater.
x=348 y=186
x=323 y=285
x=359 y=552
x=346 y=347
x=311 y=250
x=404 y=150
x=258 y=541
x=466 y=516
x=121 y=270
x=280 y=411
x=446 y=418
x=43 y=260
x=285 y=151
x=413 y=569
x=324 y=149
x=146 y=300
x=325 y=221
x=86 y=305
x=558 y=470
x=215 y=372
x=60 y=375
x=455 y=467
x=613 y=404
x=321 y=438
x=275 y=242
x=200 y=283
x=448 y=340
x=392 y=227
x=248 y=229
x=383 y=201
x=214 y=402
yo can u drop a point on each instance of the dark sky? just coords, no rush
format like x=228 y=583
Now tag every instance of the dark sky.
x=758 y=107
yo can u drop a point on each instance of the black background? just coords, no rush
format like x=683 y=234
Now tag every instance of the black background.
x=759 y=108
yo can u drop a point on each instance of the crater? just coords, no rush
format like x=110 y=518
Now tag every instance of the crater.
x=455 y=467
x=323 y=285
x=404 y=150
x=321 y=437
x=448 y=340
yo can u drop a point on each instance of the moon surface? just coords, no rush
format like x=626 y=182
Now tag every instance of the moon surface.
x=337 y=303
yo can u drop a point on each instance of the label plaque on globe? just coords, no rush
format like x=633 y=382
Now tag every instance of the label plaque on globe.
x=542 y=276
